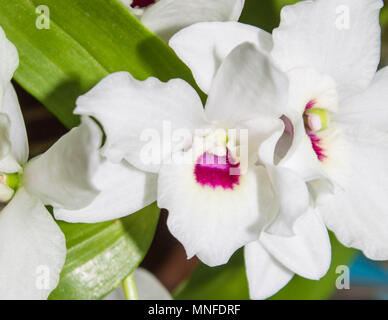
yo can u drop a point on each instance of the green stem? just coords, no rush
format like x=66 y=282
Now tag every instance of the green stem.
x=129 y=286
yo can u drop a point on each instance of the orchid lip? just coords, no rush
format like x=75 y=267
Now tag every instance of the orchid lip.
x=217 y=171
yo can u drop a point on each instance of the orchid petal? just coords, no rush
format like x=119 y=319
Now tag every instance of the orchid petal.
x=359 y=214
x=247 y=85
x=9 y=61
x=203 y=218
x=167 y=17
x=17 y=130
x=266 y=276
x=204 y=46
x=308 y=252
x=131 y=112
x=369 y=107
x=62 y=176
x=32 y=249
x=124 y=190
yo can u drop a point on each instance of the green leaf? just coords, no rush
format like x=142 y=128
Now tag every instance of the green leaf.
x=87 y=40
x=100 y=256
x=384 y=17
x=264 y=14
x=229 y=281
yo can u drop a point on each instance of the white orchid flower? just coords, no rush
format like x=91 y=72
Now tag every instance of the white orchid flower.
x=330 y=50
x=166 y=17
x=32 y=247
x=212 y=211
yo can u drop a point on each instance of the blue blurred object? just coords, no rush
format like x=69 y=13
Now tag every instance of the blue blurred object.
x=370 y=275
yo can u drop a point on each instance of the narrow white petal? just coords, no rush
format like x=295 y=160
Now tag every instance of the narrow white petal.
x=204 y=46
x=62 y=176
x=247 y=85
x=17 y=130
x=167 y=17
x=135 y=114
x=266 y=276
x=8 y=163
x=339 y=38
x=32 y=249
x=124 y=190
x=308 y=252
x=9 y=61
x=359 y=214
x=293 y=198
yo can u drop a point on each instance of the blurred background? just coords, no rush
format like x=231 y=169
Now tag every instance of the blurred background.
x=167 y=258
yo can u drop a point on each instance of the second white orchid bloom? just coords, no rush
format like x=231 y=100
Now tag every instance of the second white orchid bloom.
x=330 y=50
x=32 y=247
x=166 y=17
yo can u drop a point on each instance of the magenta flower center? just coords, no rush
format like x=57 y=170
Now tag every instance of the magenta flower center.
x=142 y=3
x=217 y=171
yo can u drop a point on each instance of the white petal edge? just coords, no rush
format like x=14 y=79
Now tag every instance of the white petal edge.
x=9 y=61
x=124 y=190
x=17 y=130
x=32 y=249
x=166 y=17
x=8 y=163
x=62 y=176
x=266 y=276
x=204 y=46
x=308 y=252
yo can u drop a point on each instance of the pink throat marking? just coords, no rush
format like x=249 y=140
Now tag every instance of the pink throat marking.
x=315 y=140
x=142 y=3
x=215 y=171
x=310 y=105
x=316 y=143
